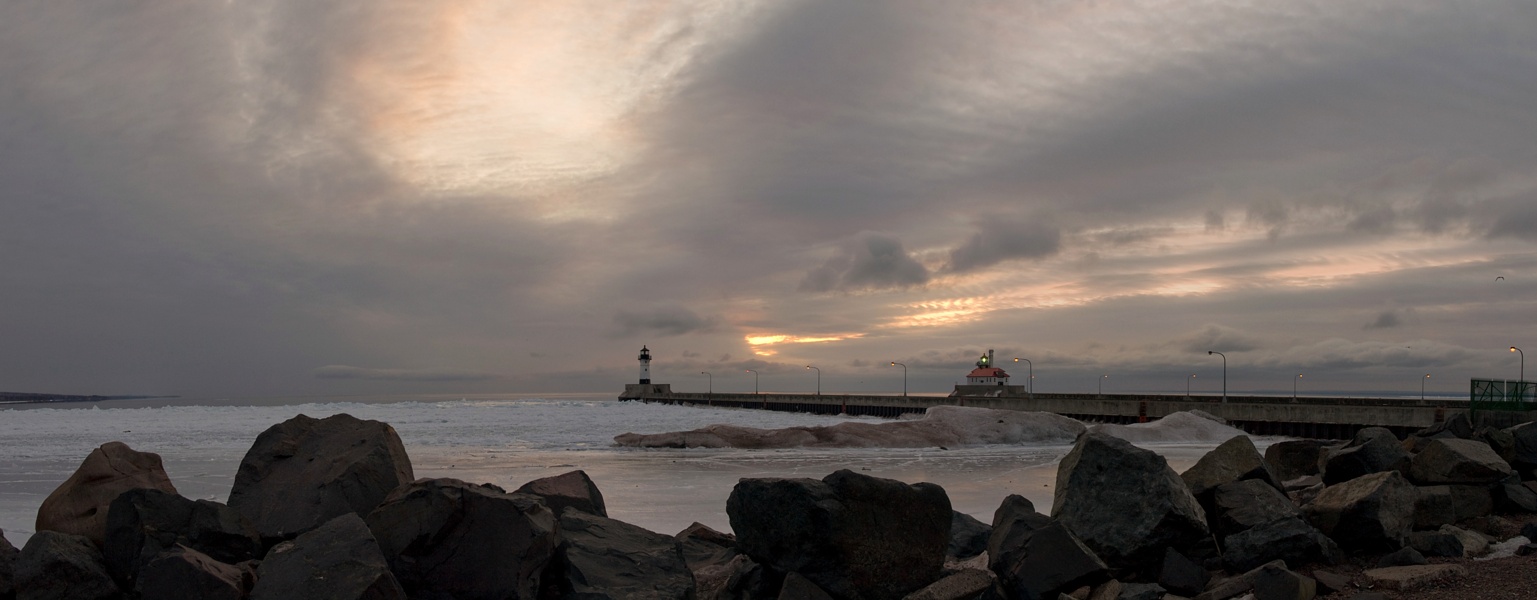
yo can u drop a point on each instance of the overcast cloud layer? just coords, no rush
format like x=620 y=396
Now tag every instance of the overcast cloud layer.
x=292 y=197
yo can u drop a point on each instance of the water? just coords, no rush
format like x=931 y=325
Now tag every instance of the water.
x=508 y=440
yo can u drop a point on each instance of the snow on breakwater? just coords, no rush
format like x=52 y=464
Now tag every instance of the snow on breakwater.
x=1189 y=427
x=941 y=426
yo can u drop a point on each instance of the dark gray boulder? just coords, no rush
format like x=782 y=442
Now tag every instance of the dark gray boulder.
x=448 y=538
x=1402 y=557
x=1234 y=460
x=1370 y=513
x=1125 y=503
x=1036 y=557
x=1499 y=440
x=143 y=523
x=1456 y=426
x=1140 y=591
x=1433 y=507
x=1296 y=458
x=1529 y=531
x=1273 y=581
x=1435 y=543
x=1373 y=450
x=337 y=561
x=853 y=535
x=1524 y=456
x=968 y=536
x=1512 y=496
x=8 y=554
x=1457 y=461
x=965 y=584
x=1243 y=505
x=574 y=489
x=1291 y=540
x=705 y=546
x=605 y=559
x=798 y=587
x=182 y=573
x=1472 y=501
x=304 y=472
x=62 y=566
x=1182 y=576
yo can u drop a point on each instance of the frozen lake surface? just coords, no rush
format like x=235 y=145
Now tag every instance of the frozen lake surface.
x=508 y=440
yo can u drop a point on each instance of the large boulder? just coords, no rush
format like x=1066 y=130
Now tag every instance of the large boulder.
x=1243 y=505
x=79 y=505
x=968 y=536
x=337 y=561
x=1372 y=450
x=1524 y=455
x=1370 y=513
x=1180 y=575
x=1472 y=501
x=62 y=566
x=143 y=523
x=1457 y=461
x=1435 y=543
x=448 y=538
x=304 y=472
x=703 y=545
x=1125 y=503
x=853 y=535
x=1296 y=458
x=605 y=559
x=8 y=554
x=1513 y=496
x=185 y=573
x=1433 y=507
x=1036 y=557
x=1500 y=440
x=1234 y=460
x=574 y=489
x=1291 y=540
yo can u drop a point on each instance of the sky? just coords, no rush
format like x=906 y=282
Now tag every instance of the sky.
x=285 y=197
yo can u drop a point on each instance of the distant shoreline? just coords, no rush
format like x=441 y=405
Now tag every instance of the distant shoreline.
x=32 y=398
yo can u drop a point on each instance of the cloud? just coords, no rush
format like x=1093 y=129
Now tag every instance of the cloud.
x=1220 y=338
x=663 y=321
x=999 y=240
x=427 y=375
x=871 y=261
x=1387 y=319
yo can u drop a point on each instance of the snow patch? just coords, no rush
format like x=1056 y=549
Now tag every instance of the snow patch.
x=945 y=426
x=1185 y=426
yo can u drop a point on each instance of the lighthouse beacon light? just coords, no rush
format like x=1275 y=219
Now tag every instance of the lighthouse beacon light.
x=645 y=365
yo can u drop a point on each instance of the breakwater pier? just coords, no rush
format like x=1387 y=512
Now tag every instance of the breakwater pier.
x=1311 y=417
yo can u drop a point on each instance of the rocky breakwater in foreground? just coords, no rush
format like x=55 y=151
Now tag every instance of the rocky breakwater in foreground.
x=328 y=508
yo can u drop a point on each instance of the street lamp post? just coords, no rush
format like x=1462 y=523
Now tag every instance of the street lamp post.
x=754 y=381
x=1102 y=379
x=1522 y=377
x=904 y=376
x=1294 y=386
x=819 y=378
x=1422 y=385
x=1224 y=371
x=1029 y=381
x=711 y=380
x=1187 y=384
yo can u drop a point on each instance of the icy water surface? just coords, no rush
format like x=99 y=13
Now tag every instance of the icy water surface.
x=508 y=440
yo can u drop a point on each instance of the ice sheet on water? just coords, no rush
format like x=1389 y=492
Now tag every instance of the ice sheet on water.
x=1187 y=426
x=941 y=426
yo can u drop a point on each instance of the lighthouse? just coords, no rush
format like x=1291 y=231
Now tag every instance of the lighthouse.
x=986 y=373
x=645 y=365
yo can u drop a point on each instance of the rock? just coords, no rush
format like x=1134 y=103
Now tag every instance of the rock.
x=1370 y=513
x=1125 y=503
x=601 y=558
x=62 y=566
x=1435 y=543
x=1494 y=527
x=1433 y=507
x=79 y=505
x=1526 y=549
x=853 y=535
x=1512 y=496
x=304 y=472
x=337 y=561
x=143 y=523
x=445 y=537
x=1330 y=582
x=797 y=587
x=1525 y=454
x=1295 y=458
x=1110 y=590
x=1291 y=540
x=185 y=573
x=1471 y=501
x=1402 y=557
x=1373 y=450
x=1243 y=505
x=704 y=546
x=963 y=585
x=1234 y=460
x=1303 y=496
x=8 y=554
x=1457 y=461
x=574 y=489
x=1529 y=531
x=1182 y=576
x=1457 y=426
x=968 y=536
x=1274 y=581
x=1501 y=441
x=1140 y=591
x=1473 y=542
x=1414 y=577
x=1037 y=558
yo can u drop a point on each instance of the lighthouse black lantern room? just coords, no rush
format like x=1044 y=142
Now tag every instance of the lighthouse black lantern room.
x=645 y=365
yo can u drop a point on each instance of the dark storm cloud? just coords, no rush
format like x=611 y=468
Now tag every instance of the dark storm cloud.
x=430 y=375
x=871 y=261
x=664 y=321
x=1219 y=338
x=1385 y=320
x=999 y=240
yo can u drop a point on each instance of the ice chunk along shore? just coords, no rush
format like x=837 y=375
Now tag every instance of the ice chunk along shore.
x=1183 y=426
x=949 y=426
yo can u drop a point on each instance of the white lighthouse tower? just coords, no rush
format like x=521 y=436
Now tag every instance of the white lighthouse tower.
x=645 y=365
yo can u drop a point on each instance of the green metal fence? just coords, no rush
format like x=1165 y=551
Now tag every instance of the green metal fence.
x=1497 y=394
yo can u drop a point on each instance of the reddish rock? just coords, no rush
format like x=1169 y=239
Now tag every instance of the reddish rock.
x=574 y=489
x=79 y=505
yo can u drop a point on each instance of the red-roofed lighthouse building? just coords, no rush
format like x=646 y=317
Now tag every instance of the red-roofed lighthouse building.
x=986 y=373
